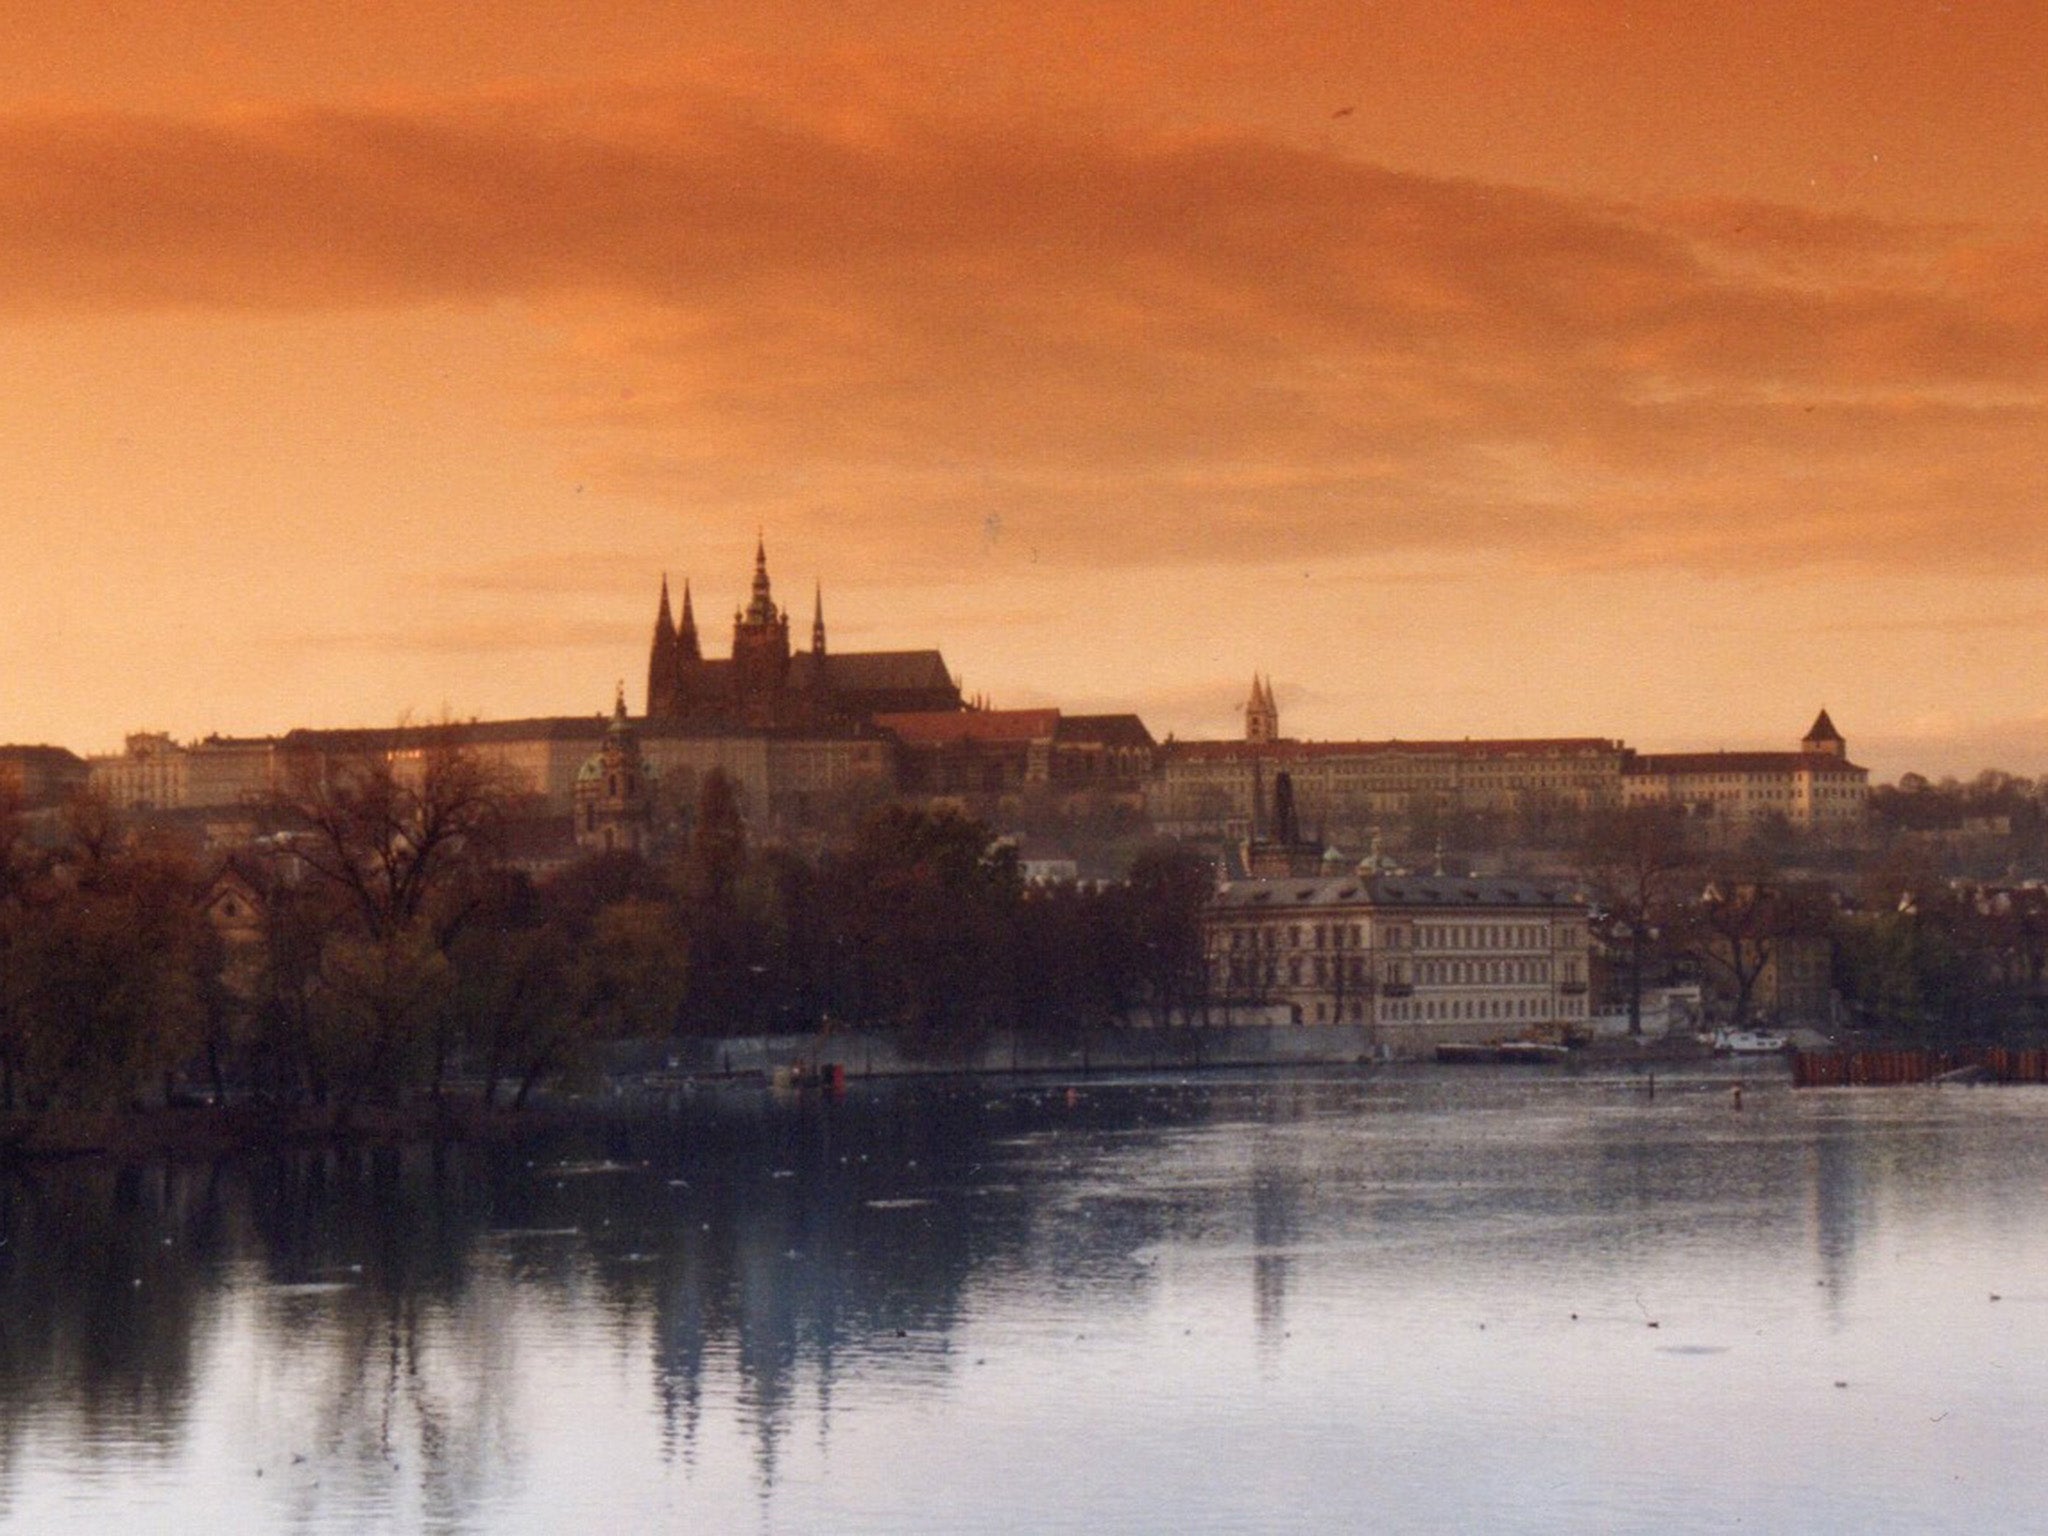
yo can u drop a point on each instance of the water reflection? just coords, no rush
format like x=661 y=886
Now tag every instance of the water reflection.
x=861 y=1314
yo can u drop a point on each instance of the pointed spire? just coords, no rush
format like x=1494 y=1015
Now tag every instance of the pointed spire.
x=686 y=636
x=761 y=610
x=1261 y=715
x=619 y=704
x=818 y=621
x=661 y=660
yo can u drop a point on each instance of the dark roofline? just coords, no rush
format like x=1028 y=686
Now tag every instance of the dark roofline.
x=1492 y=747
x=1645 y=763
x=1464 y=893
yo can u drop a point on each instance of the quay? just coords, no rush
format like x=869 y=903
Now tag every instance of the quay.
x=1885 y=1068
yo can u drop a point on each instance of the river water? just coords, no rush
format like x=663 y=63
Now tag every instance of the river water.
x=1423 y=1299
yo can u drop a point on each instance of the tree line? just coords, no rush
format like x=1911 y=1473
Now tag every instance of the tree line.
x=1906 y=947
x=393 y=949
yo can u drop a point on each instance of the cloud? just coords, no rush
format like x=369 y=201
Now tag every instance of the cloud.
x=1960 y=749
x=888 y=324
x=521 y=635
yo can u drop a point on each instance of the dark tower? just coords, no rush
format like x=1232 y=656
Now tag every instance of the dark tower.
x=686 y=639
x=1261 y=714
x=1286 y=820
x=661 y=658
x=1824 y=739
x=760 y=650
x=818 y=623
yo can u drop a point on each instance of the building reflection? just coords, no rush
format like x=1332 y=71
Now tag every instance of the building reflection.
x=753 y=1258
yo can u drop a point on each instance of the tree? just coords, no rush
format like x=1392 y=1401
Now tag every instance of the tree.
x=1633 y=860
x=926 y=908
x=399 y=845
x=1168 y=891
x=721 y=938
x=1741 y=924
x=106 y=965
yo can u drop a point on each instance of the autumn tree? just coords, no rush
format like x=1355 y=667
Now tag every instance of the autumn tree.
x=723 y=932
x=1168 y=892
x=398 y=844
x=107 y=962
x=927 y=904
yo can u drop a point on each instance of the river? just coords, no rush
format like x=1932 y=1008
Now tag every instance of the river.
x=1414 y=1299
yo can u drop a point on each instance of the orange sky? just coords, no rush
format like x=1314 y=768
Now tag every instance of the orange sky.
x=1654 y=370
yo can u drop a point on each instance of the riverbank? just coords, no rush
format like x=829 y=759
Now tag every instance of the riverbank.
x=637 y=1070
x=218 y=1131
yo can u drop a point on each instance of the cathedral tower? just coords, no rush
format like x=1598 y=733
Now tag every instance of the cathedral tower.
x=1261 y=714
x=686 y=637
x=760 y=649
x=662 y=658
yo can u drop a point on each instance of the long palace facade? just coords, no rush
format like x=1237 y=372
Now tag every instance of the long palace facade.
x=1217 y=788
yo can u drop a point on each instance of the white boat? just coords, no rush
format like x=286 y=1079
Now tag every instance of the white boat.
x=1749 y=1042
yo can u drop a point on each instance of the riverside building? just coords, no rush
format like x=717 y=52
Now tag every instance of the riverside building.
x=1420 y=960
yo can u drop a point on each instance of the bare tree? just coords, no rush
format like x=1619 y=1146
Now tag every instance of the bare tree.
x=1633 y=860
x=1742 y=923
x=396 y=841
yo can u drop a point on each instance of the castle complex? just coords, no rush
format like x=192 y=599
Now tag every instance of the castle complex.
x=764 y=685
x=809 y=732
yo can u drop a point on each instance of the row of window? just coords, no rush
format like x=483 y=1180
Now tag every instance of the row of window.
x=1501 y=1009
x=1484 y=935
x=1454 y=936
x=1239 y=974
x=1432 y=973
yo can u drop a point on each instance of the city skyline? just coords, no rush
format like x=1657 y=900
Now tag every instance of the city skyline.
x=1596 y=369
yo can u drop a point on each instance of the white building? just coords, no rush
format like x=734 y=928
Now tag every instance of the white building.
x=1420 y=959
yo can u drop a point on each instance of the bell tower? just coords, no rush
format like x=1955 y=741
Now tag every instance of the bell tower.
x=1261 y=714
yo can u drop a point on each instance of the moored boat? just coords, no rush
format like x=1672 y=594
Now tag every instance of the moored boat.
x=1749 y=1042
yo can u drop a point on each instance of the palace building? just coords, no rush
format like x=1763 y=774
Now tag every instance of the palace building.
x=1213 y=788
x=1815 y=789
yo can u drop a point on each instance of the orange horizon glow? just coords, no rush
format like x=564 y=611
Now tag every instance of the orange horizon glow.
x=1631 y=370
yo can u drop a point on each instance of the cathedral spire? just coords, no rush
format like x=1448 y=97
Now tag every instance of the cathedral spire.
x=661 y=658
x=761 y=610
x=818 y=621
x=686 y=637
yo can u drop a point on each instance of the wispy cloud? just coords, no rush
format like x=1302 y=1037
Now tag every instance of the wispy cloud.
x=473 y=637
x=892 y=324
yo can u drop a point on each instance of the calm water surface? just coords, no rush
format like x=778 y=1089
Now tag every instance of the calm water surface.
x=1422 y=1300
